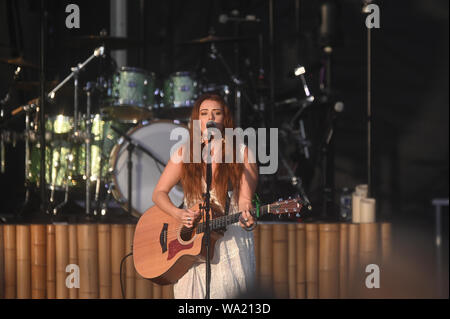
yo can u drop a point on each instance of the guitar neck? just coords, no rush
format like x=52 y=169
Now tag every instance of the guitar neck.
x=223 y=221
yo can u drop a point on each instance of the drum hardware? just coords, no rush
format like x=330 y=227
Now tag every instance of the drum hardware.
x=74 y=74
x=8 y=93
x=300 y=72
x=88 y=89
x=32 y=105
x=104 y=205
x=130 y=149
x=153 y=137
x=10 y=137
x=27 y=155
x=2 y=155
x=237 y=83
x=296 y=181
x=66 y=189
x=96 y=196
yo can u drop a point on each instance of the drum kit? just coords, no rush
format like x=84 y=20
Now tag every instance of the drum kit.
x=115 y=151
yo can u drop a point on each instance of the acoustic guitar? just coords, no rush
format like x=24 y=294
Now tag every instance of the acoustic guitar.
x=164 y=249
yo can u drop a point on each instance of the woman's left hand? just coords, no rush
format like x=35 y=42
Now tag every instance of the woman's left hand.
x=246 y=220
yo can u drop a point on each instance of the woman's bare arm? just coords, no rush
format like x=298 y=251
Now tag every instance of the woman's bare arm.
x=169 y=178
x=249 y=181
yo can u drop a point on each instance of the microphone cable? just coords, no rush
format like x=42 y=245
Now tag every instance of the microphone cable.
x=120 y=275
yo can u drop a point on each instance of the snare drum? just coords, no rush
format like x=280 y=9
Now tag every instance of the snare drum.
x=131 y=95
x=155 y=137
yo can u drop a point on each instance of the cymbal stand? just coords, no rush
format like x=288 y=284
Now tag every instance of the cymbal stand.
x=108 y=184
x=104 y=206
x=239 y=93
x=103 y=161
x=2 y=152
x=66 y=195
x=2 y=115
x=52 y=173
x=88 y=138
x=8 y=94
x=27 y=157
x=261 y=79
x=295 y=180
x=97 y=194
x=75 y=72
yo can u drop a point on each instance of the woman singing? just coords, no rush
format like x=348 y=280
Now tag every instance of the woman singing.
x=233 y=263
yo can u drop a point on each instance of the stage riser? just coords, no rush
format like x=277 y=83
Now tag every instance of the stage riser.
x=292 y=260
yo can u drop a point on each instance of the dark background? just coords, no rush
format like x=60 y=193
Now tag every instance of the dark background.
x=409 y=81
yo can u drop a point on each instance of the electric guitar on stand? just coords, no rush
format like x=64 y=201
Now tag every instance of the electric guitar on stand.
x=164 y=249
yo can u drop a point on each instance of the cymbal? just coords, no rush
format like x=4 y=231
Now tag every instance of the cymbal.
x=31 y=85
x=111 y=43
x=20 y=61
x=215 y=39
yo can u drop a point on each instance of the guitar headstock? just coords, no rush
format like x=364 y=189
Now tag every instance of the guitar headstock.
x=286 y=206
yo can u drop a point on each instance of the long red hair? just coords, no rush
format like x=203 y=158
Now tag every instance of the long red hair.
x=225 y=173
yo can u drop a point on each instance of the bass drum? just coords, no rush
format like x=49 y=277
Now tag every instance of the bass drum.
x=155 y=137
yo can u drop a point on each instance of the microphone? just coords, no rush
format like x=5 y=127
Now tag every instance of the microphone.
x=223 y=18
x=211 y=124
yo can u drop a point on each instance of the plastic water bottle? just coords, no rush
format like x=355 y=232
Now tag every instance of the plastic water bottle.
x=345 y=209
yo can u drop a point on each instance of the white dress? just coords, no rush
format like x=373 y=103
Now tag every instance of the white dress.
x=232 y=267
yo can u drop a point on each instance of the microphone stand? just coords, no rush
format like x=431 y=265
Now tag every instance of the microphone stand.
x=206 y=208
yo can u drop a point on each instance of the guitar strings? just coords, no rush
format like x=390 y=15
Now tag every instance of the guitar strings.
x=183 y=230
x=179 y=229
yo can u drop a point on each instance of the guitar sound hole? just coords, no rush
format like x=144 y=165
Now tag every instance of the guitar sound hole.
x=186 y=234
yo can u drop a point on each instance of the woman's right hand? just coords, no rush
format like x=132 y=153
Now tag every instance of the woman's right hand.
x=188 y=217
